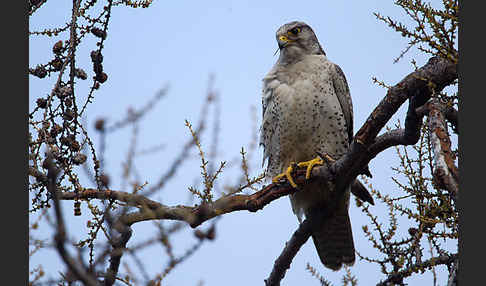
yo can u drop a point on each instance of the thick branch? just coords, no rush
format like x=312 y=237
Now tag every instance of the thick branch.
x=419 y=85
x=445 y=172
x=408 y=136
x=194 y=216
x=435 y=75
x=300 y=236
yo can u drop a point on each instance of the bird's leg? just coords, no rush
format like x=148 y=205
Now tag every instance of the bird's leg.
x=287 y=174
x=316 y=161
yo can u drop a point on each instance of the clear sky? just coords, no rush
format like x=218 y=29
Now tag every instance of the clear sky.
x=180 y=43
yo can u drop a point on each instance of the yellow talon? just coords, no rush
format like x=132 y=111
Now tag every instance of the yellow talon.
x=288 y=175
x=310 y=164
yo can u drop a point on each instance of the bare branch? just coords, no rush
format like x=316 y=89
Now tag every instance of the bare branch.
x=76 y=269
x=397 y=278
x=300 y=236
x=445 y=172
x=119 y=245
x=194 y=216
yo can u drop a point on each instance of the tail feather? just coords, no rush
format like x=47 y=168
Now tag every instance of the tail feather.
x=360 y=191
x=334 y=241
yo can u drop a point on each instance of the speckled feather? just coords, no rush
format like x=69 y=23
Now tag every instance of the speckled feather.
x=307 y=108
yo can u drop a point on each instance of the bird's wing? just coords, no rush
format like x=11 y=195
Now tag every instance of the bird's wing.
x=341 y=89
x=269 y=119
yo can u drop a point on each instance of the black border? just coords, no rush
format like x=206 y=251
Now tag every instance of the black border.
x=15 y=95
x=471 y=162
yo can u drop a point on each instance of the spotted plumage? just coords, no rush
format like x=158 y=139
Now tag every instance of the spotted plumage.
x=307 y=108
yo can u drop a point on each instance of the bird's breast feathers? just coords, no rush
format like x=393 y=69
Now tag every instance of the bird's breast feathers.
x=302 y=113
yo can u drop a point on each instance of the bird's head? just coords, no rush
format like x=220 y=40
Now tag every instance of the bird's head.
x=296 y=39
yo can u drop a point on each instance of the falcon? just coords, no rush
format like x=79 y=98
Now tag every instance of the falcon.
x=307 y=111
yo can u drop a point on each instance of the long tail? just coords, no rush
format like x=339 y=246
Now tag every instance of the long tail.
x=334 y=240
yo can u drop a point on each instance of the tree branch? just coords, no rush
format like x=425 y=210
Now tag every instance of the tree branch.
x=60 y=238
x=119 y=245
x=418 y=86
x=446 y=174
x=300 y=236
x=398 y=277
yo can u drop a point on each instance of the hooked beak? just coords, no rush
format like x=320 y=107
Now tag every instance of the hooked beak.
x=282 y=42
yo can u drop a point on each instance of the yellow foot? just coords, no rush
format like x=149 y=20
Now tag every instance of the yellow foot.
x=288 y=175
x=310 y=164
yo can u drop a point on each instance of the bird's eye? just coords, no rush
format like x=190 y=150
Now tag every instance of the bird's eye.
x=294 y=31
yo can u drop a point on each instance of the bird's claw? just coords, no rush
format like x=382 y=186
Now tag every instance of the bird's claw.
x=310 y=164
x=287 y=174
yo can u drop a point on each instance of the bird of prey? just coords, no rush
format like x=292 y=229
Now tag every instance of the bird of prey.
x=307 y=110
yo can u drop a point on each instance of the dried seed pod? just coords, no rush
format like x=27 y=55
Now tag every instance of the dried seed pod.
x=68 y=101
x=67 y=90
x=41 y=102
x=98 y=33
x=55 y=130
x=96 y=57
x=65 y=140
x=40 y=71
x=56 y=64
x=79 y=158
x=199 y=234
x=57 y=48
x=100 y=124
x=412 y=231
x=97 y=68
x=105 y=180
x=75 y=146
x=101 y=77
x=80 y=73
x=211 y=234
x=68 y=115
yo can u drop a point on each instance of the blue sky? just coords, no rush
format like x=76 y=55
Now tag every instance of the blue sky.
x=181 y=43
